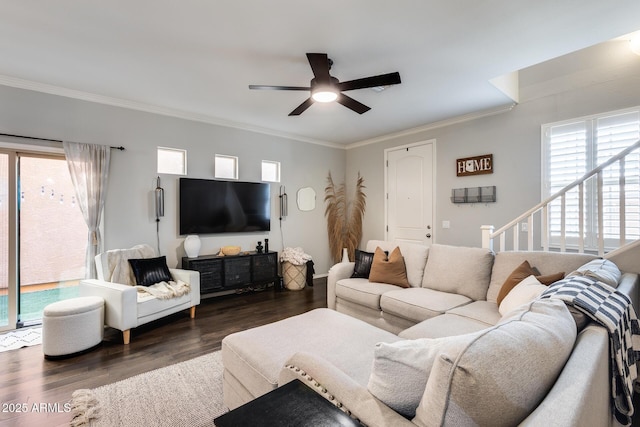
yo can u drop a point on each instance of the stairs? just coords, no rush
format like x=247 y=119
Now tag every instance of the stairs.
x=562 y=223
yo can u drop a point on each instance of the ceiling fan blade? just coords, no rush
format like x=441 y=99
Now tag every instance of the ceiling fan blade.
x=278 y=87
x=320 y=66
x=374 y=81
x=302 y=107
x=352 y=104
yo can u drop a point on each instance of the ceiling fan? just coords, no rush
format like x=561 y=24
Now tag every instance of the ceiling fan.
x=326 y=88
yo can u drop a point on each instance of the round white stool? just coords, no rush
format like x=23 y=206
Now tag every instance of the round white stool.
x=72 y=326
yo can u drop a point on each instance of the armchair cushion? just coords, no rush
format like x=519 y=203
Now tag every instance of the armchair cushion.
x=149 y=271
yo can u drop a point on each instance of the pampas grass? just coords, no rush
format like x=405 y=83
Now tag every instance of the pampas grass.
x=344 y=220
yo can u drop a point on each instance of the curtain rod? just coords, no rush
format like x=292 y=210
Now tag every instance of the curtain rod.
x=121 y=148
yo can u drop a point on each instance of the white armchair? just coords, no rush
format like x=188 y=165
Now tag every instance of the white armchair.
x=125 y=307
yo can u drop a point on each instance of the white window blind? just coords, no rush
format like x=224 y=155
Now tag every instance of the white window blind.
x=573 y=148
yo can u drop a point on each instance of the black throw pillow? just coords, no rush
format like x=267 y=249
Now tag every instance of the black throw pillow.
x=149 y=271
x=363 y=264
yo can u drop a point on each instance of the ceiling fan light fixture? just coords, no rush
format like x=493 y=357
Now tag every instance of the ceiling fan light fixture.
x=325 y=94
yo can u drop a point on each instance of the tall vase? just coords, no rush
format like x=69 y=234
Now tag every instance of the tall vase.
x=345 y=255
x=192 y=245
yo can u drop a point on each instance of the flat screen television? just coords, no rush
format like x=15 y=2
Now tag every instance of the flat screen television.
x=211 y=206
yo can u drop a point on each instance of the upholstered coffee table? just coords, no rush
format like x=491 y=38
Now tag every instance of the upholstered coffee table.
x=293 y=404
x=254 y=358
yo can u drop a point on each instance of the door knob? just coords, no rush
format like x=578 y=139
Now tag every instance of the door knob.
x=428 y=235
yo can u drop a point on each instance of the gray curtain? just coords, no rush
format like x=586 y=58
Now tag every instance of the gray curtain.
x=89 y=170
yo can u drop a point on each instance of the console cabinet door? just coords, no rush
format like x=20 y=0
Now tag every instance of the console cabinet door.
x=264 y=267
x=211 y=279
x=237 y=271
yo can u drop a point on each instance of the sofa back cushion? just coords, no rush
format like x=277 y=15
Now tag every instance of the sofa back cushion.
x=546 y=263
x=504 y=373
x=415 y=257
x=459 y=270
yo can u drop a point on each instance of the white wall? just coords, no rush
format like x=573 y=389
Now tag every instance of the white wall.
x=515 y=142
x=129 y=212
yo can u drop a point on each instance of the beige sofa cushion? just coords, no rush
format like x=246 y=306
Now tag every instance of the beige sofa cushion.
x=459 y=270
x=418 y=304
x=504 y=373
x=445 y=325
x=545 y=262
x=415 y=257
x=362 y=291
x=401 y=369
x=482 y=311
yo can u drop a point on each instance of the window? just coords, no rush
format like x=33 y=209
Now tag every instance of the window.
x=226 y=167
x=172 y=161
x=270 y=171
x=573 y=148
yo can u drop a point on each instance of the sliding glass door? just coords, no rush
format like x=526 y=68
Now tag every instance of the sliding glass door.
x=45 y=239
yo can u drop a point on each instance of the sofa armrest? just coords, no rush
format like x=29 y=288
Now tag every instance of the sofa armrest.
x=121 y=302
x=191 y=277
x=581 y=395
x=340 y=389
x=630 y=286
x=339 y=271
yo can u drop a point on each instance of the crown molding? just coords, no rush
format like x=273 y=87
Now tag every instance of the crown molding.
x=435 y=125
x=153 y=109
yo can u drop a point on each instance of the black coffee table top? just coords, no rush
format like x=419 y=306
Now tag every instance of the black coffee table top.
x=294 y=404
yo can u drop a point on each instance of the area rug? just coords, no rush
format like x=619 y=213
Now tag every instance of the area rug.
x=184 y=394
x=20 y=338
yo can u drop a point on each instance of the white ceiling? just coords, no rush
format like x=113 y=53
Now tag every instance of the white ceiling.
x=195 y=58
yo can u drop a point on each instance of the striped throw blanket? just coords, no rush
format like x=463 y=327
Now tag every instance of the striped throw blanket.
x=613 y=310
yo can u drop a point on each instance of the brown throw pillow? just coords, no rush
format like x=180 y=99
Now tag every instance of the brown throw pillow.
x=550 y=278
x=389 y=269
x=523 y=271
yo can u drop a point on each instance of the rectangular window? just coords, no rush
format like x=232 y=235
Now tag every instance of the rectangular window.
x=172 y=161
x=226 y=167
x=270 y=171
x=573 y=148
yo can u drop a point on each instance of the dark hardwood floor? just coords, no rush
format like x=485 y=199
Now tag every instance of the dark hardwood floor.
x=28 y=379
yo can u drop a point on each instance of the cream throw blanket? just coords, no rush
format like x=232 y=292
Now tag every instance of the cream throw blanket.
x=120 y=272
x=166 y=290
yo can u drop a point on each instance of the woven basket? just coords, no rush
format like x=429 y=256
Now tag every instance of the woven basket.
x=294 y=276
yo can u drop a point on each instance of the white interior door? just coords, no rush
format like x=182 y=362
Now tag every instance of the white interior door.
x=409 y=184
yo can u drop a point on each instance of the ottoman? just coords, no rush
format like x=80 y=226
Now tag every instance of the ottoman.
x=72 y=326
x=253 y=358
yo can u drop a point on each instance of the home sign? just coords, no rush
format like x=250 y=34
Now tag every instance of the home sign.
x=477 y=165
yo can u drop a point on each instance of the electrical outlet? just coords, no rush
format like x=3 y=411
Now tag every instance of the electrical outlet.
x=446 y=224
x=524 y=227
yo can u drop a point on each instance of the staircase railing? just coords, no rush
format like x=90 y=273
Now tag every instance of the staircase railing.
x=489 y=235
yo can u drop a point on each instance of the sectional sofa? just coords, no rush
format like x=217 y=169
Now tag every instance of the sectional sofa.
x=535 y=363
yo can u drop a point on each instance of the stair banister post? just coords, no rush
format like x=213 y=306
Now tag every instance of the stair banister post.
x=487 y=239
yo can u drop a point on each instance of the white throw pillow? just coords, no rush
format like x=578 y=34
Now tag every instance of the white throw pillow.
x=602 y=270
x=401 y=369
x=523 y=293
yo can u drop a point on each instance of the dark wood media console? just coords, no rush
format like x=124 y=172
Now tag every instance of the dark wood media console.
x=224 y=273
